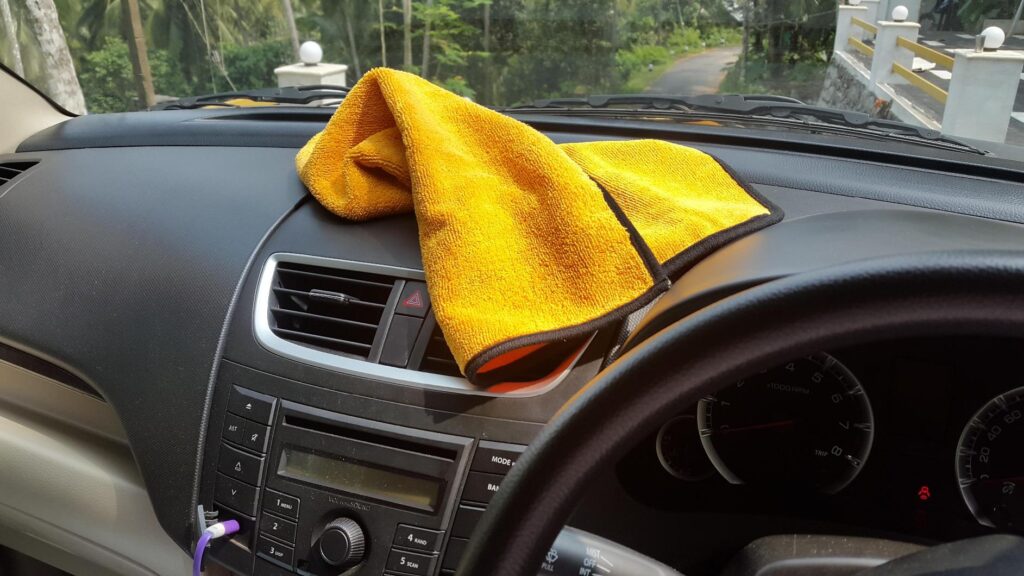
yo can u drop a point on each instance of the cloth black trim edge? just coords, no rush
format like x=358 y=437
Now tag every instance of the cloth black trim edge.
x=673 y=266
x=654 y=268
x=689 y=257
x=582 y=329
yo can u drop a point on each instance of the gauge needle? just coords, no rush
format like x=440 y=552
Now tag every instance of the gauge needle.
x=763 y=426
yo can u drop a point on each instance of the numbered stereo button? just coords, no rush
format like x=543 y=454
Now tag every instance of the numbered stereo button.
x=417 y=538
x=273 y=551
x=410 y=563
x=281 y=504
x=278 y=528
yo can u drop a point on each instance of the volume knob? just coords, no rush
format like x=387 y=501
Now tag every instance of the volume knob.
x=342 y=543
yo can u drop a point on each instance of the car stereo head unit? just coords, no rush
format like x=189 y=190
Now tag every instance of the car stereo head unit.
x=321 y=492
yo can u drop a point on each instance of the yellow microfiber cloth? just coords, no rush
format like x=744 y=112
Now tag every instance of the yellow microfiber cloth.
x=526 y=244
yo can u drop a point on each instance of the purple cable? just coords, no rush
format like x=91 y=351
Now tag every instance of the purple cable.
x=216 y=531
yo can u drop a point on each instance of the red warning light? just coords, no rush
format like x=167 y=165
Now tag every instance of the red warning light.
x=924 y=493
x=414 y=301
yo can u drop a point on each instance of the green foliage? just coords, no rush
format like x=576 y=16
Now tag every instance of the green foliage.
x=458 y=85
x=972 y=15
x=801 y=79
x=108 y=81
x=253 y=66
x=497 y=52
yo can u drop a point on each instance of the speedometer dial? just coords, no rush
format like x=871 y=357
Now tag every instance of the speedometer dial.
x=804 y=425
x=990 y=462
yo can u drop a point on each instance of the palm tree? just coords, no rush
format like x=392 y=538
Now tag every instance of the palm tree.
x=139 y=55
x=293 y=31
x=383 y=44
x=61 y=80
x=407 y=35
x=10 y=32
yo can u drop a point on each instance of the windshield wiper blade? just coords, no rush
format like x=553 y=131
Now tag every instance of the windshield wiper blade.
x=750 y=106
x=644 y=101
x=297 y=95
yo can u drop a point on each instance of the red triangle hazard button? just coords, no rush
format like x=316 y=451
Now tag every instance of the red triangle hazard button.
x=415 y=300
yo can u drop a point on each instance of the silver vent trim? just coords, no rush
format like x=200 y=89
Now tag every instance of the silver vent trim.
x=402 y=376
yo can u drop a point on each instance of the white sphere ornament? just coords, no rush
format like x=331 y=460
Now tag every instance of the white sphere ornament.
x=900 y=13
x=310 y=53
x=994 y=37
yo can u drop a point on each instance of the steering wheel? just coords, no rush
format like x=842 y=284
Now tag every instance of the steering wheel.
x=696 y=354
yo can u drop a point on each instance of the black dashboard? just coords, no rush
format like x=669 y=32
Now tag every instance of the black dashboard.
x=151 y=278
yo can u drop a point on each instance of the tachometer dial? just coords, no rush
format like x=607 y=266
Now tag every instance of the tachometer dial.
x=990 y=462
x=804 y=425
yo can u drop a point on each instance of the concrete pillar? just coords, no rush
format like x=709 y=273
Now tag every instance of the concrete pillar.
x=873 y=15
x=311 y=74
x=981 y=94
x=887 y=51
x=843 y=27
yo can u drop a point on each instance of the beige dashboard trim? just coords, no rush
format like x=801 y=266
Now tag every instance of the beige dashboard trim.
x=22 y=113
x=70 y=491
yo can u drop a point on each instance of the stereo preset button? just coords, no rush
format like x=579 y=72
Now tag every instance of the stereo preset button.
x=466 y=519
x=252 y=405
x=410 y=563
x=496 y=457
x=281 y=504
x=278 y=528
x=481 y=487
x=417 y=538
x=236 y=495
x=234 y=428
x=240 y=465
x=273 y=551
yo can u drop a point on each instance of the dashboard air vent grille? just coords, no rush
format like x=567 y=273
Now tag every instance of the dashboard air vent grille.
x=437 y=358
x=8 y=170
x=338 y=310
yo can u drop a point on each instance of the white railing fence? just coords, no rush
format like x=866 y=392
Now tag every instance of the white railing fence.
x=983 y=81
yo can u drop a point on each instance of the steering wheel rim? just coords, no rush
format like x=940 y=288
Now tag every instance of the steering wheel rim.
x=948 y=293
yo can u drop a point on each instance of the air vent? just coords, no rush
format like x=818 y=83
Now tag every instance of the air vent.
x=344 y=315
x=328 y=308
x=437 y=358
x=8 y=170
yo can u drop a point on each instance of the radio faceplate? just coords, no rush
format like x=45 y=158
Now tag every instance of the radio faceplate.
x=320 y=492
x=390 y=480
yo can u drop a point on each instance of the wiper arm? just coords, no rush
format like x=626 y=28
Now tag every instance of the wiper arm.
x=748 y=105
x=646 y=101
x=286 y=95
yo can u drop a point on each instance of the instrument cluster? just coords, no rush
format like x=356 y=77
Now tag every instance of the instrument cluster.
x=921 y=437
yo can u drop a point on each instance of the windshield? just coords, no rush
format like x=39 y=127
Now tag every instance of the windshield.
x=914 y=61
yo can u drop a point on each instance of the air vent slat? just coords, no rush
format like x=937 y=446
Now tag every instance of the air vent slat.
x=286 y=291
x=334 y=278
x=343 y=321
x=9 y=170
x=332 y=342
x=437 y=358
x=347 y=326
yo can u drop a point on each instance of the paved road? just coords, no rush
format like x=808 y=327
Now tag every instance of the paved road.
x=698 y=74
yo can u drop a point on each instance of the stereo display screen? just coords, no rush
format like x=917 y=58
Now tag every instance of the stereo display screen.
x=360 y=479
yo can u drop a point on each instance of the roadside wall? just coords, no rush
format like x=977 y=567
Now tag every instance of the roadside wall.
x=844 y=89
